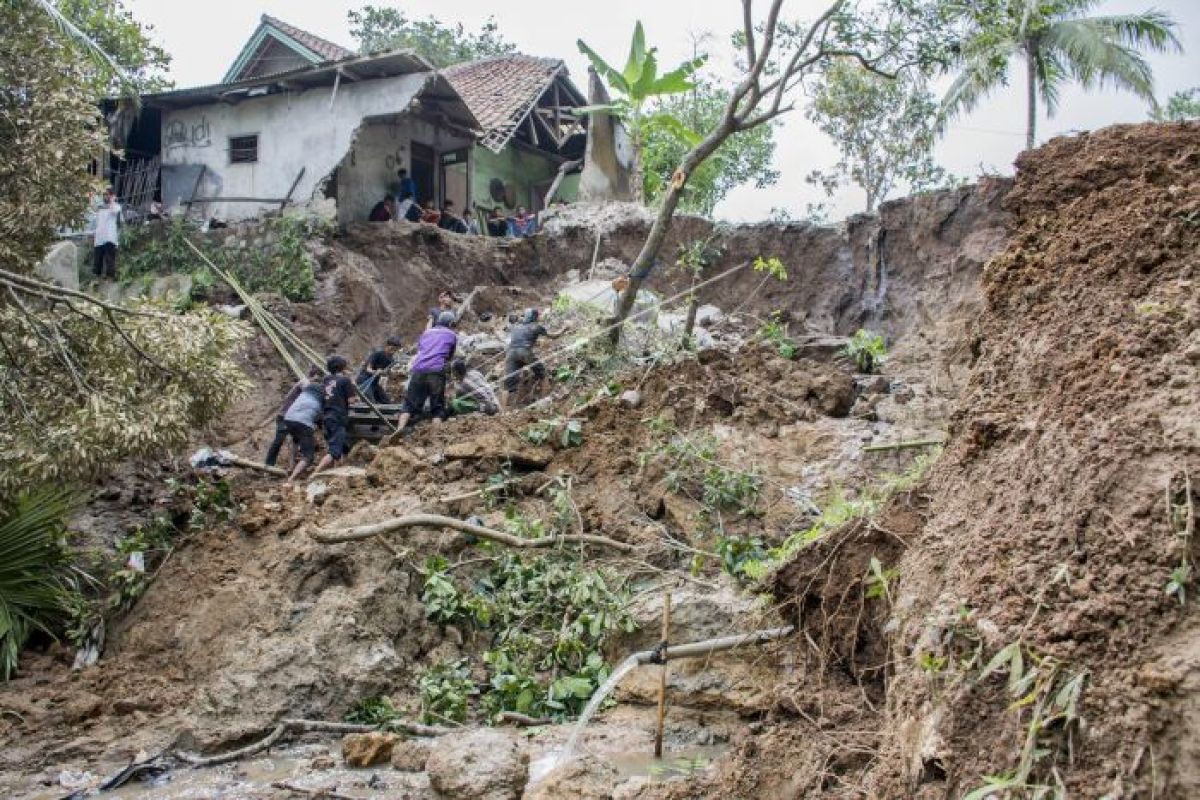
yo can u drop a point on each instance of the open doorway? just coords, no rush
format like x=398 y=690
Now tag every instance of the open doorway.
x=454 y=179
x=424 y=172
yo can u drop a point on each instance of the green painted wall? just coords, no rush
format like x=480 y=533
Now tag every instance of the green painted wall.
x=516 y=167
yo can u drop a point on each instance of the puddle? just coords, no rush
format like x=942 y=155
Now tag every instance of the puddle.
x=680 y=763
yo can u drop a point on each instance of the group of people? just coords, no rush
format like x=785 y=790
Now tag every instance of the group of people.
x=400 y=203
x=324 y=397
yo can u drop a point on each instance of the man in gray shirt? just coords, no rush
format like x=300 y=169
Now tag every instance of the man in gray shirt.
x=519 y=357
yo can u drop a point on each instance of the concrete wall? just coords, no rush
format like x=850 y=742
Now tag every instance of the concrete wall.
x=522 y=169
x=368 y=171
x=295 y=130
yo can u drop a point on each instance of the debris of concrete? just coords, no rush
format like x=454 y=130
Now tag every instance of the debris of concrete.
x=316 y=492
x=410 y=755
x=631 y=398
x=237 y=312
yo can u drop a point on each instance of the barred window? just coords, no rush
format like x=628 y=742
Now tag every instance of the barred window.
x=243 y=149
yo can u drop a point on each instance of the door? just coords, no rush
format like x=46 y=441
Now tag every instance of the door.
x=424 y=171
x=454 y=180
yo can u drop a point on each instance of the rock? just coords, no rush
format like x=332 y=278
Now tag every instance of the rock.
x=171 y=286
x=323 y=761
x=581 y=778
x=521 y=454
x=482 y=764
x=61 y=265
x=902 y=394
x=877 y=384
x=707 y=315
x=368 y=749
x=631 y=398
x=127 y=705
x=237 y=312
x=410 y=755
x=85 y=706
x=316 y=492
x=820 y=348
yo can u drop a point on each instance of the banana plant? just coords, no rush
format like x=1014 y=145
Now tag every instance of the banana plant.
x=635 y=85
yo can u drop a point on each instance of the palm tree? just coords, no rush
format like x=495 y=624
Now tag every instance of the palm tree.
x=1059 y=43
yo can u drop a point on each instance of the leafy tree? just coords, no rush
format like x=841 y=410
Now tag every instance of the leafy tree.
x=777 y=58
x=1059 y=43
x=115 y=31
x=743 y=158
x=1181 y=106
x=85 y=383
x=377 y=29
x=885 y=129
x=635 y=86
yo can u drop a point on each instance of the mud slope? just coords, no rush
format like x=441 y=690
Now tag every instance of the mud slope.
x=1052 y=522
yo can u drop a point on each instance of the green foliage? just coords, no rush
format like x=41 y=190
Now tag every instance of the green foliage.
x=50 y=134
x=1181 y=106
x=372 y=711
x=879 y=581
x=692 y=470
x=1181 y=517
x=866 y=349
x=635 y=85
x=673 y=125
x=771 y=266
x=284 y=267
x=377 y=29
x=33 y=571
x=549 y=617
x=446 y=688
x=738 y=552
x=1059 y=43
x=128 y=582
x=884 y=128
x=775 y=331
x=115 y=31
x=1040 y=687
x=563 y=433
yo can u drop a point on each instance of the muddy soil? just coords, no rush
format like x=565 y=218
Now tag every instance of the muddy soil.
x=253 y=620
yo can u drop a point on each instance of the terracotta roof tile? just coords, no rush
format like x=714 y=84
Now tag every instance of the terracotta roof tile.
x=500 y=91
x=322 y=47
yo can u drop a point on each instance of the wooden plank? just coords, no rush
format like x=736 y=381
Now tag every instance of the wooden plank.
x=295 y=183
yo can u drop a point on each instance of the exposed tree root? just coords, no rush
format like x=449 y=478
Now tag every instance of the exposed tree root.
x=291 y=726
x=435 y=521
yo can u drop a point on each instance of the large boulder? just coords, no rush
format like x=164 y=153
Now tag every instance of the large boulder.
x=482 y=764
x=61 y=265
x=368 y=749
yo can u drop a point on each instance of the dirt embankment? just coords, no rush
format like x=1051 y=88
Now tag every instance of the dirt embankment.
x=1054 y=523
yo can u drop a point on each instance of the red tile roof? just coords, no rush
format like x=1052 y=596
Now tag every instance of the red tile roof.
x=322 y=47
x=500 y=91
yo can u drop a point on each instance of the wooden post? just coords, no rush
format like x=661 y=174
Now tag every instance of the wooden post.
x=662 y=678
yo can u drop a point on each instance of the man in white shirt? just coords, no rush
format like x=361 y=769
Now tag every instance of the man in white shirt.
x=104 y=254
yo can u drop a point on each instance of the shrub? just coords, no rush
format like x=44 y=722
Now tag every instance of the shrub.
x=866 y=349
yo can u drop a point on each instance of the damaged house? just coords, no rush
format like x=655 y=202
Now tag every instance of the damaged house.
x=298 y=119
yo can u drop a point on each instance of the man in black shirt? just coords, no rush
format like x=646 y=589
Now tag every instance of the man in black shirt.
x=370 y=374
x=339 y=391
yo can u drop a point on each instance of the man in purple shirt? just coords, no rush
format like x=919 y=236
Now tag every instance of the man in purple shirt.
x=435 y=348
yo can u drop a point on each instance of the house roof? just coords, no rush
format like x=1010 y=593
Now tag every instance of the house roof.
x=501 y=91
x=307 y=47
x=437 y=92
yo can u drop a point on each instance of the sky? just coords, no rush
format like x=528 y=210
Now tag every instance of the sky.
x=204 y=38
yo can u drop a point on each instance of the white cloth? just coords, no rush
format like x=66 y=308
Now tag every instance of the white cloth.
x=106 y=223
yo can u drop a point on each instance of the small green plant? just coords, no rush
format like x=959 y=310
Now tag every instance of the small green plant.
x=771 y=266
x=775 y=331
x=879 y=580
x=33 y=588
x=372 y=711
x=1181 y=517
x=866 y=349
x=442 y=600
x=446 y=689
x=930 y=663
x=737 y=552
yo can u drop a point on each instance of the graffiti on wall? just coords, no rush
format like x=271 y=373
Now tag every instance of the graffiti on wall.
x=181 y=133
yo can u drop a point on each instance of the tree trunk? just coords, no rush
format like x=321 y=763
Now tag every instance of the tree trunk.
x=693 y=305
x=1031 y=91
x=662 y=223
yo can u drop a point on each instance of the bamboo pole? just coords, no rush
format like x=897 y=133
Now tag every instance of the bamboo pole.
x=662 y=678
x=877 y=448
x=709 y=646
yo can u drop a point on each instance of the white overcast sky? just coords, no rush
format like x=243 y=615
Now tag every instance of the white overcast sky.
x=204 y=38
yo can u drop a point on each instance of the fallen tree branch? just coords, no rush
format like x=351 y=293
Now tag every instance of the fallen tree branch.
x=435 y=521
x=876 y=448
x=524 y=720
x=238 y=461
x=306 y=726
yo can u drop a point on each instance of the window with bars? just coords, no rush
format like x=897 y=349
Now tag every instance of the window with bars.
x=243 y=149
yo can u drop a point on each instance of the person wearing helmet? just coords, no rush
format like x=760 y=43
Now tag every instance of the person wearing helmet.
x=339 y=391
x=520 y=356
x=370 y=374
x=427 y=373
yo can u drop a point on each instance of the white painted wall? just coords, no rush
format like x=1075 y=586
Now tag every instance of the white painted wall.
x=368 y=171
x=294 y=130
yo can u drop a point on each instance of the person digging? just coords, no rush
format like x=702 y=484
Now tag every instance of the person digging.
x=300 y=423
x=281 y=429
x=520 y=357
x=427 y=378
x=371 y=373
x=338 y=392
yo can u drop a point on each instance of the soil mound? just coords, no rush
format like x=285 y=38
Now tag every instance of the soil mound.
x=1037 y=629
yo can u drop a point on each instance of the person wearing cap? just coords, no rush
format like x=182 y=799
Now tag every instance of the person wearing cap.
x=339 y=390
x=427 y=377
x=445 y=303
x=370 y=374
x=520 y=357
x=281 y=429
